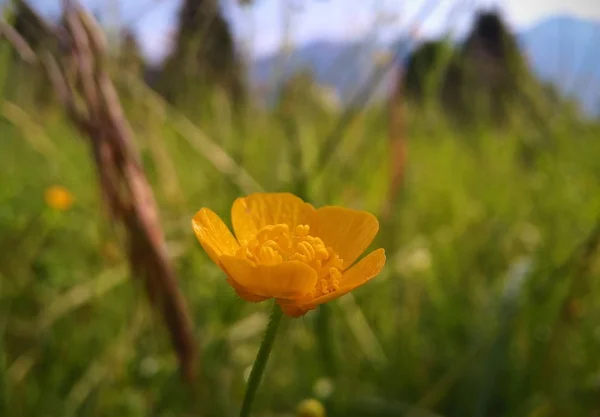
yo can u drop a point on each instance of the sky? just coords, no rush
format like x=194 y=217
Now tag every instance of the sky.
x=264 y=27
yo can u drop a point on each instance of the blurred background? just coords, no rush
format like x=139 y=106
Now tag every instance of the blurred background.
x=469 y=127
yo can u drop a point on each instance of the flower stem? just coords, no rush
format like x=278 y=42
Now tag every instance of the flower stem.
x=261 y=360
x=325 y=341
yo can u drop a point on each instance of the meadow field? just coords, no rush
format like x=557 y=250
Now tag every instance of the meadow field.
x=489 y=303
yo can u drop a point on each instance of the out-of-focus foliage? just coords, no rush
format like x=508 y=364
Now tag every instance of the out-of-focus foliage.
x=27 y=83
x=481 y=80
x=131 y=55
x=486 y=307
x=204 y=57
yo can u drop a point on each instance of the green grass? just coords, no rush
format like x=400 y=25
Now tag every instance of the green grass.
x=459 y=323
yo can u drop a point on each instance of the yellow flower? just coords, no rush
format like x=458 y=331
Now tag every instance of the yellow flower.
x=58 y=198
x=288 y=250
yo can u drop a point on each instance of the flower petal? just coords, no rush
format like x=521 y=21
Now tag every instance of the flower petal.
x=349 y=232
x=252 y=213
x=213 y=234
x=363 y=271
x=244 y=293
x=286 y=280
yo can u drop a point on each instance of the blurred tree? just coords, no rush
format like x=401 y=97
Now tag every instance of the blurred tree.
x=130 y=54
x=432 y=72
x=203 y=57
x=131 y=61
x=481 y=79
x=493 y=68
x=28 y=85
x=30 y=26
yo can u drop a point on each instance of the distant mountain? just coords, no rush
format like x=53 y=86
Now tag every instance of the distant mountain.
x=562 y=50
x=343 y=66
x=565 y=51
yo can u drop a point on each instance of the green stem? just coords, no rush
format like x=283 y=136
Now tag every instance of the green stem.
x=261 y=360
x=323 y=329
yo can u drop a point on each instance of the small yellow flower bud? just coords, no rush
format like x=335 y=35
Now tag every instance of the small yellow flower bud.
x=310 y=408
x=58 y=198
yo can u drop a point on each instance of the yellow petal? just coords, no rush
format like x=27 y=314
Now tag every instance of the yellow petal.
x=349 y=232
x=252 y=213
x=244 y=293
x=286 y=280
x=368 y=268
x=213 y=234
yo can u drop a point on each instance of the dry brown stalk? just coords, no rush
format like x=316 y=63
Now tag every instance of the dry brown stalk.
x=398 y=145
x=91 y=102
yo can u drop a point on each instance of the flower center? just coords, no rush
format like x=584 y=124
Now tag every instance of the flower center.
x=275 y=244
